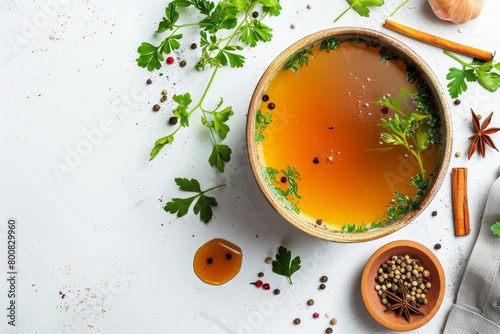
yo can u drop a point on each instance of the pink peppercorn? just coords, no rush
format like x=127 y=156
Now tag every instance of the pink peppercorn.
x=257 y=283
x=266 y=286
x=315 y=315
x=170 y=60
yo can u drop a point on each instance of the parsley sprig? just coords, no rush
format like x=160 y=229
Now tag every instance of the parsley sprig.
x=411 y=130
x=361 y=6
x=203 y=205
x=223 y=27
x=477 y=70
x=284 y=265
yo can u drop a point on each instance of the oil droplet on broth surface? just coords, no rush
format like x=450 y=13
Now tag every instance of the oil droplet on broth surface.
x=217 y=261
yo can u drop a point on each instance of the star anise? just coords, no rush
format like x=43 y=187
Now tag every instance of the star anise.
x=401 y=304
x=481 y=138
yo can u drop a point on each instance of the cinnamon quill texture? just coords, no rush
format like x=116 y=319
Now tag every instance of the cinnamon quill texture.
x=439 y=41
x=460 y=202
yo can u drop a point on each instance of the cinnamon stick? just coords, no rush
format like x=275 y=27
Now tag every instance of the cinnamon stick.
x=439 y=42
x=460 y=203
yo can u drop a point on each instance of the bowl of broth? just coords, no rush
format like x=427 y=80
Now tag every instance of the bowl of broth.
x=349 y=134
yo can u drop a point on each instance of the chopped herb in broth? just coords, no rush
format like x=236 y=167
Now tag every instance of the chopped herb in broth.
x=357 y=121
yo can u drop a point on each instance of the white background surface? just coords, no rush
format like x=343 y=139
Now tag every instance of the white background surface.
x=98 y=233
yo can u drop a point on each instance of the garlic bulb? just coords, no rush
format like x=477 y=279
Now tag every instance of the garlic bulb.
x=457 y=11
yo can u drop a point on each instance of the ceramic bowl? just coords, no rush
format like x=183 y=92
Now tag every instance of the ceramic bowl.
x=435 y=294
x=269 y=183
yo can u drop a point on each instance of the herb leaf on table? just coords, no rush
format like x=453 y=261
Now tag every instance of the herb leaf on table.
x=495 y=228
x=476 y=71
x=284 y=265
x=203 y=205
x=361 y=6
x=219 y=25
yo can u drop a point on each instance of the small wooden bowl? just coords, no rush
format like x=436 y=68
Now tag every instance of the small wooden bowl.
x=435 y=294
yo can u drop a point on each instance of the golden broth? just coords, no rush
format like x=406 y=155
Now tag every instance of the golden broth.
x=326 y=112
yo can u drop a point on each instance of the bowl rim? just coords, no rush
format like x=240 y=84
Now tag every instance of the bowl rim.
x=366 y=288
x=445 y=119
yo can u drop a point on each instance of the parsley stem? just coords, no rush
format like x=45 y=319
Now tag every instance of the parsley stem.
x=341 y=14
x=448 y=53
x=419 y=160
x=416 y=154
x=213 y=188
x=399 y=7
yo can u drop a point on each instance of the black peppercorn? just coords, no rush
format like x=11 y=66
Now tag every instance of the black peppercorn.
x=172 y=120
x=384 y=110
x=255 y=15
x=457 y=102
x=434 y=213
x=316 y=160
x=194 y=46
x=437 y=246
x=261 y=274
x=322 y=286
x=271 y=106
x=283 y=179
x=156 y=107
x=265 y=97
x=324 y=279
x=149 y=81
x=182 y=63
x=277 y=291
x=296 y=321
x=229 y=256
x=210 y=260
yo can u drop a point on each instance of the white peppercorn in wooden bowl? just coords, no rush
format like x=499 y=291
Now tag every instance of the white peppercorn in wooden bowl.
x=381 y=286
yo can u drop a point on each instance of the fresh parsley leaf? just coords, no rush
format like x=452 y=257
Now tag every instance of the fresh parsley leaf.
x=171 y=43
x=271 y=7
x=495 y=228
x=203 y=205
x=284 y=265
x=361 y=6
x=204 y=6
x=220 y=155
x=149 y=57
x=225 y=54
x=477 y=70
x=489 y=80
x=458 y=78
x=159 y=145
x=181 y=111
x=220 y=119
x=222 y=17
x=168 y=21
x=254 y=32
